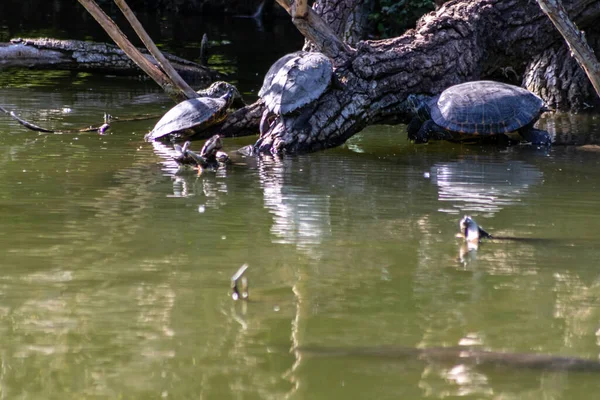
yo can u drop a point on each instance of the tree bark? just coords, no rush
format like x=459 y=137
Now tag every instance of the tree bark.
x=97 y=57
x=558 y=79
x=461 y=41
x=575 y=40
x=349 y=19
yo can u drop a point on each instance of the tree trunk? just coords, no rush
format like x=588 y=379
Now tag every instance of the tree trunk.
x=558 y=79
x=462 y=41
x=348 y=18
x=88 y=56
x=575 y=39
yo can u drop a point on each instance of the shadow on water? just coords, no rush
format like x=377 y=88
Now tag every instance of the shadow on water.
x=464 y=355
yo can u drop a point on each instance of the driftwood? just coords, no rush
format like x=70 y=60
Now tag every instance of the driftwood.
x=47 y=53
x=461 y=41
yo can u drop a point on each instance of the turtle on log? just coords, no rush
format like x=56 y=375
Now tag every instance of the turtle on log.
x=294 y=81
x=195 y=115
x=478 y=109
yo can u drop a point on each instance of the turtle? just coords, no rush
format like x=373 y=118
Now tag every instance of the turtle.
x=294 y=81
x=210 y=155
x=181 y=155
x=211 y=151
x=478 y=108
x=194 y=115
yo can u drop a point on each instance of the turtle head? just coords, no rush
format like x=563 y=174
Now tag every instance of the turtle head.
x=211 y=147
x=225 y=90
x=419 y=106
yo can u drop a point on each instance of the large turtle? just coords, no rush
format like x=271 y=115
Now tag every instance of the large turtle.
x=292 y=82
x=194 y=115
x=478 y=108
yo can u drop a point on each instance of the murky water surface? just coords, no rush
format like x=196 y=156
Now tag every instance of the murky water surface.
x=114 y=280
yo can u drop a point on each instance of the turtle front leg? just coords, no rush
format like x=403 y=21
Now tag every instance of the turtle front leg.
x=430 y=130
x=537 y=137
x=412 y=129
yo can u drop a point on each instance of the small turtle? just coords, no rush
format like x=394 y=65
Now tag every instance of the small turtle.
x=181 y=155
x=472 y=232
x=194 y=115
x=292 y=82
x=476 y=108
x=210 y=155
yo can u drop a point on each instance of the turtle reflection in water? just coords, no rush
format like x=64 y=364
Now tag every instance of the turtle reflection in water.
x=210 y=157
x=195 y=115
x=478 y=110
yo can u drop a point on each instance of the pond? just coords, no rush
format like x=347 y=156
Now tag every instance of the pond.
x=116 y=269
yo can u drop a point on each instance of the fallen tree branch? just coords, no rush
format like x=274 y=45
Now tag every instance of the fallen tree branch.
x=48 y=53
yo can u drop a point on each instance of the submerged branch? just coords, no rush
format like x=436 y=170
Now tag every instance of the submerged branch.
x=101 y=129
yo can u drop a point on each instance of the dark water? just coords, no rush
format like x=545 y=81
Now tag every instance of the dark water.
x=115 y=277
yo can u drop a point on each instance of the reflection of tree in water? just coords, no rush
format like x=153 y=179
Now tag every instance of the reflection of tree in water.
x=299 y=217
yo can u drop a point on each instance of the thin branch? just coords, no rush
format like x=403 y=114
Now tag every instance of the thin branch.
x=312 y=26
x=575 y=39
x=121 y=40
x=160 y=58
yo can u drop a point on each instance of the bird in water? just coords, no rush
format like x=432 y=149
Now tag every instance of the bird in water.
x=472 y=234
x=471 y=231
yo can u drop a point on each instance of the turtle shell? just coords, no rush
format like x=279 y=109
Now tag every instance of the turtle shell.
x=191 y=116
x=295 y=80
x=272 y=72
x=485 y=107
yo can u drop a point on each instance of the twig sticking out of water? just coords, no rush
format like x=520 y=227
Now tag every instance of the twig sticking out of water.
x=239 y=284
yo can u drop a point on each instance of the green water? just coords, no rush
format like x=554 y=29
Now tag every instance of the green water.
x=114 y=280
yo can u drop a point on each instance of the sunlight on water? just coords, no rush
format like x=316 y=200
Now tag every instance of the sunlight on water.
x=483 y=185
